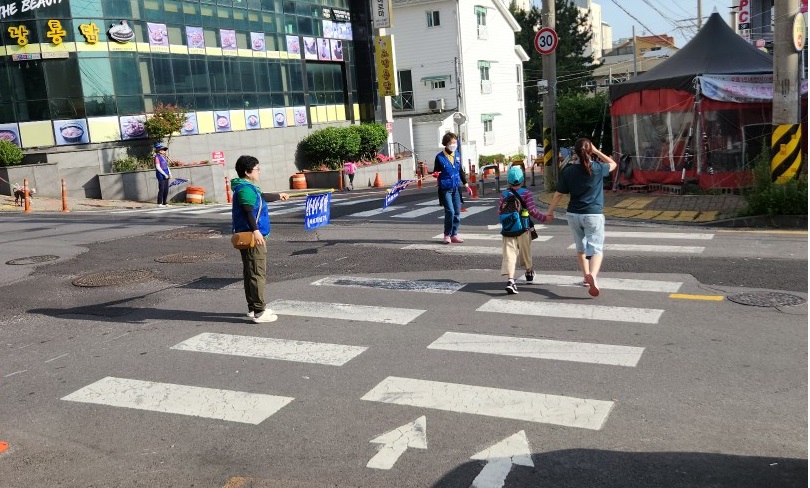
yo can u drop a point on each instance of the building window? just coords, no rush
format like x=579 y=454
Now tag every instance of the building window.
x=489 y=137
x=481 y=21
x=483 y=70
x=433 y=19
x=521 y=126
x=437 y=84
x=404 y=101
x=519 y=72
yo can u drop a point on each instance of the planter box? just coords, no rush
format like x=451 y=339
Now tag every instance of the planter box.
x=364 y=176
x=44 y=177
x=141 y=186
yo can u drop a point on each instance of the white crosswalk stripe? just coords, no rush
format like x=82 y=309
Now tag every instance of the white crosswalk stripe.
x=651 y=248
x=539 y=348
x=455 y=249
x=418 y=212
x=492 y=402
x=659 y=235
x=491 y=237
x=233 y=406
x=572 y=311
x=267 y=348
x=610 y=283
x=345 y=311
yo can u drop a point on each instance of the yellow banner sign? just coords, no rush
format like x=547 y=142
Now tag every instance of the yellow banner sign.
x=386 y=71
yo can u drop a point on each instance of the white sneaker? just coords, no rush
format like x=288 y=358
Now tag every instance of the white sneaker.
x=250 y=314
x=264 y=317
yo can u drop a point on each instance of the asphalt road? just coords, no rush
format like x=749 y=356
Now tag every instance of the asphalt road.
x=660 y=381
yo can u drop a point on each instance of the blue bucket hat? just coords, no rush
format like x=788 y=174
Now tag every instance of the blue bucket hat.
x=515 y=175
x=159 y=146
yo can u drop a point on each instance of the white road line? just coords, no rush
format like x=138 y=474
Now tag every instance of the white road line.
x=611 y=283
x=425 y=286
x=492 y=402
x=581 y=352
x=286 y=210
x=455 y=248
x=498 y=227
x=376 y=211
x=345 y=311
x=418 y=212
x=651 y=248
x=233 y=406
x=343 y=203
x=572 y=311
x=268 y=348
x=490 y=237
x=208 y=209
x=659 y=235
x=430 y=202
x=472 y=211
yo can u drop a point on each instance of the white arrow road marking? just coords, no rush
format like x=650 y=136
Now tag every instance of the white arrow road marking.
x=526 y=347
x=572 y=311
x=345 y=311
x=500 y=458
x=268 y=348
x=233 y=406
x=425 y=286
x=397 y=441
x=651 y=248
x=492 y=402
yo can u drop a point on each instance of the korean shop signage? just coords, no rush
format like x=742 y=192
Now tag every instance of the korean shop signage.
x=381 y=13
x=9 y=9
x=336 y=14
x=384 y=53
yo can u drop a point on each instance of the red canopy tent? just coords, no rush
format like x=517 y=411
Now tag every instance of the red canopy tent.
x=719 y=87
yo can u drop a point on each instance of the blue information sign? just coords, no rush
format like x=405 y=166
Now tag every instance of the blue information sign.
x=316 y=212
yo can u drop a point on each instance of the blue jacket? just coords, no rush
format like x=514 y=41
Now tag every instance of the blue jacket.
x=246 y=193
x=451 y=174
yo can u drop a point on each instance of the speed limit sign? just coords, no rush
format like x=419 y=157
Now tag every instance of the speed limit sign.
x=546 y=40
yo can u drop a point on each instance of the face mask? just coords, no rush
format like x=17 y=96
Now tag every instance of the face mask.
x=452 y=147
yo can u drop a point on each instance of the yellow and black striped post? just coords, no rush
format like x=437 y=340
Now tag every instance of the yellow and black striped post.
x=786 y=152
x=547 y=150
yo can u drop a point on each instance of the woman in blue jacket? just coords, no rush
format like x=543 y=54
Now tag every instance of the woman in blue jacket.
x=447 y=167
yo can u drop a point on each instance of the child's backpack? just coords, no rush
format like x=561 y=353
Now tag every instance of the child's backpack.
x=512 y=214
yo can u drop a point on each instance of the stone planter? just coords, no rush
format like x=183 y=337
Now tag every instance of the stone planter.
x=363 y=176
x=44 y=177
x=141 y=186
x=322 y=179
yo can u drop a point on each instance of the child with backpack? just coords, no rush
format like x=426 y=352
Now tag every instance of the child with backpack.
x=515 y=207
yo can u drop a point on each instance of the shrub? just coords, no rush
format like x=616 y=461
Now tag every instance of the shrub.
x=769 y=198
x=372 y=138
x=330 y=146
x=131 y=163
x=10 y=154
x=493 y=158
x=166 y=119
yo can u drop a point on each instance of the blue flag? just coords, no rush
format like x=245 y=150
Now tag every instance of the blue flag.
x=316 y=211
x=393 y=192
x=177 y=181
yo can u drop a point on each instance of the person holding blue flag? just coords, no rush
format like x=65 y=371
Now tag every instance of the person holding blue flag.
x=448 y=169
x=162 y=173
x=249 y=213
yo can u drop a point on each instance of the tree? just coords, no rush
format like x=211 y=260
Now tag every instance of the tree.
x=580 y=115
x=166 y=119
x=574 y=68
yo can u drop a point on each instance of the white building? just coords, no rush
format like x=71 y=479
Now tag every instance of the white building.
x=458 y=56
x=602 y=32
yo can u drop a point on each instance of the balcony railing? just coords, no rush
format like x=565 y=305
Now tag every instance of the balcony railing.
x=403 y=101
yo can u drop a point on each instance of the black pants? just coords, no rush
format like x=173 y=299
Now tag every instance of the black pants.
x=163 y=191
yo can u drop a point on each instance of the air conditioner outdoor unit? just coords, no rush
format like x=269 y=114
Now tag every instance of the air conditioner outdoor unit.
x=436 y=105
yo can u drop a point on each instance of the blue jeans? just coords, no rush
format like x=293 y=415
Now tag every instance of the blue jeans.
x=451 y=200
x=163 y=191
x=588 y=231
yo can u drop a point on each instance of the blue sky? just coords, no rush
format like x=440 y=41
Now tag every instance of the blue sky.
x=676 y=10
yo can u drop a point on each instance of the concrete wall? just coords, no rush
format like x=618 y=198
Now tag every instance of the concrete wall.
x=80 y=166
x=141 y=186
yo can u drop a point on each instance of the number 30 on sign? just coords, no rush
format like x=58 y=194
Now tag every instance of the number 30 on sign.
x=545 y=41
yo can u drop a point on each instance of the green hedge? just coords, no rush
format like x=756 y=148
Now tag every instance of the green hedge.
x=331 y=146
x=491 y=159
x=769 y=198
x=10 y=154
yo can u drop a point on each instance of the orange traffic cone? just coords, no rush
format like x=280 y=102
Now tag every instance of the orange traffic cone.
x=377 y=181
x=3 y=446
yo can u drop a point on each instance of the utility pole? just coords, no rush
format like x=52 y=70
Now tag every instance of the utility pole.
x=786 y=156
x=550 y=151
x=635 y=53
x=700 y=13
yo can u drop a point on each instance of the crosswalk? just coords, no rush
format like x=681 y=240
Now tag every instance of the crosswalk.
x=634 y=242
x=421 y=393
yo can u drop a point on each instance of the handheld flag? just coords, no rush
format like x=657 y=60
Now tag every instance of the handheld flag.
x=316 y=211
x=177 y=181
x=394 y=191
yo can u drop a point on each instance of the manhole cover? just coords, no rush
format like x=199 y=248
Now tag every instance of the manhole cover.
x=190 y=257
x=193 y=234
x=33 y=259
x=112 y=278
x=766 y=299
